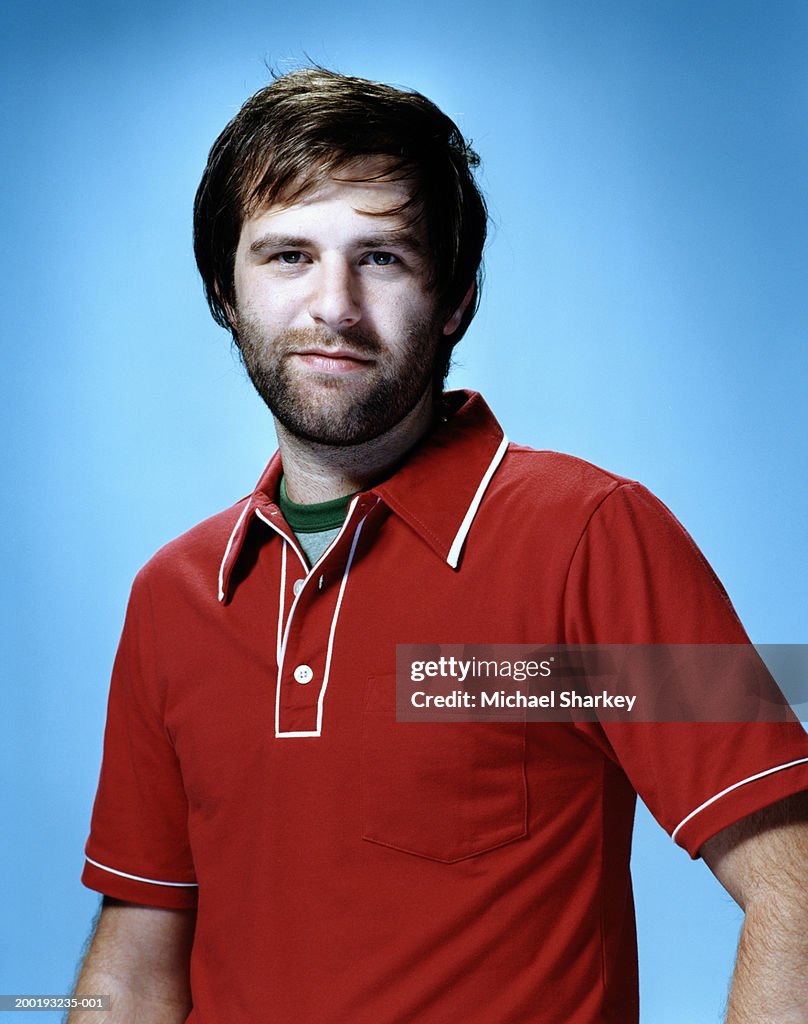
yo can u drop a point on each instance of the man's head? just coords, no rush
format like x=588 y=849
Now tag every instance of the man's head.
x=314 y=125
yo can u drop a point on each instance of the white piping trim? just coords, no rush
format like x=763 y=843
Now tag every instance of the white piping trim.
x=229 y=546
x=342 y=586
x=137 y=878
x=348 y=514
x=457 y=544
x=282 y=597
x=736 y=785
x=309 y=572
x=283 y=536
x=281 y=605
x=278 y=732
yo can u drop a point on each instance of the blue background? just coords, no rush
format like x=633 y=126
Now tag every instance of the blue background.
x=646 y=308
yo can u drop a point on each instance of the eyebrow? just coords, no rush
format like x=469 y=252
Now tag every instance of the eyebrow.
x=388 y=239
x=393 y=239
x=270 y=241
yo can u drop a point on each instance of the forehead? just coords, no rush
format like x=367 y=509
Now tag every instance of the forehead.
x=362 y=194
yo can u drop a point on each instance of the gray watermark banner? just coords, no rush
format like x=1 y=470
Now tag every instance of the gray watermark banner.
x=37 y=1001
x=601 y=682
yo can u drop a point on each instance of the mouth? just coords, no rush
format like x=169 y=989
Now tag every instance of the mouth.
x=333 y=360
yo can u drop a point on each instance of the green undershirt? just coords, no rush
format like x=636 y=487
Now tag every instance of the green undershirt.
x=315 y=526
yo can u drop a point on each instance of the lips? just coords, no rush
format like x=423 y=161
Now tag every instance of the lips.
x=333 y=360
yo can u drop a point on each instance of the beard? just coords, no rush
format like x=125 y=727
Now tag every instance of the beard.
x=333 y=409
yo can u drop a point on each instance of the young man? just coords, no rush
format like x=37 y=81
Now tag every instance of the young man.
x=272 y=845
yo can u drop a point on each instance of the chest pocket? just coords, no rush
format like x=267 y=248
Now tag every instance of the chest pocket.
x=441 y=790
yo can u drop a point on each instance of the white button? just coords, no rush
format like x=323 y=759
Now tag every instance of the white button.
x=298 y=586
x=303 y=674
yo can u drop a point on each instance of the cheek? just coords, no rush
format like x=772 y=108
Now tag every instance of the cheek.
x=268 y=303
x=403 y=310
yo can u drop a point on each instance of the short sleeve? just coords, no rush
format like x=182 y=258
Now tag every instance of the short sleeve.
x=138 y=849
x=638 y=578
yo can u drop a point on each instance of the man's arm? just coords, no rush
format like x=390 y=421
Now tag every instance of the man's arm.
x=762 y=861
x=140 y=957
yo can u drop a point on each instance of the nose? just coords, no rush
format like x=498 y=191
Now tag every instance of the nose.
x=334 y=300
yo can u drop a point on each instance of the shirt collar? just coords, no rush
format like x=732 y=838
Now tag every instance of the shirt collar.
x=436 y=491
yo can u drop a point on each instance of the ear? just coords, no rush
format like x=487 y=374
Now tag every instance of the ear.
x=453 y=322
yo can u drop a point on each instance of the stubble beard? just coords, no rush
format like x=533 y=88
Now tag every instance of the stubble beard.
x=331 y=409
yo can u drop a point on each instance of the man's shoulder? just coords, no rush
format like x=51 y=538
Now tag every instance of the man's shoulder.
x=574 y=494
x=551 y=476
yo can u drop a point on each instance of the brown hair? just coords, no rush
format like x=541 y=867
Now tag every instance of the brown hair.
x=307 y=125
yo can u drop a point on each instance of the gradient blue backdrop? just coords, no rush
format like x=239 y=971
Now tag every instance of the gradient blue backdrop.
x=646 y=308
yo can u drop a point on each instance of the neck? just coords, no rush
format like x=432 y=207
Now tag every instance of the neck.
x=319 y=472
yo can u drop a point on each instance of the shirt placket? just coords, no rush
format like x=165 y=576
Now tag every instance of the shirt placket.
x=309 y=628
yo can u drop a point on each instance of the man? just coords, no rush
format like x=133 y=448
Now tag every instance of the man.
x=271 y=844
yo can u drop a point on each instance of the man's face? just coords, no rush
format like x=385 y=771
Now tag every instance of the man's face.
x=336 y=322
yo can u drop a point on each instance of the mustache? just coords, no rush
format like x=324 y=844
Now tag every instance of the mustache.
x=363 y=342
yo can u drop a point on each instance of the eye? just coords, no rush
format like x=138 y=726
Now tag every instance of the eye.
x=381 y=259
x=290 y=258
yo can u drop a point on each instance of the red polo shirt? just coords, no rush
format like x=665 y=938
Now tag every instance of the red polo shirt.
x=348 y=868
